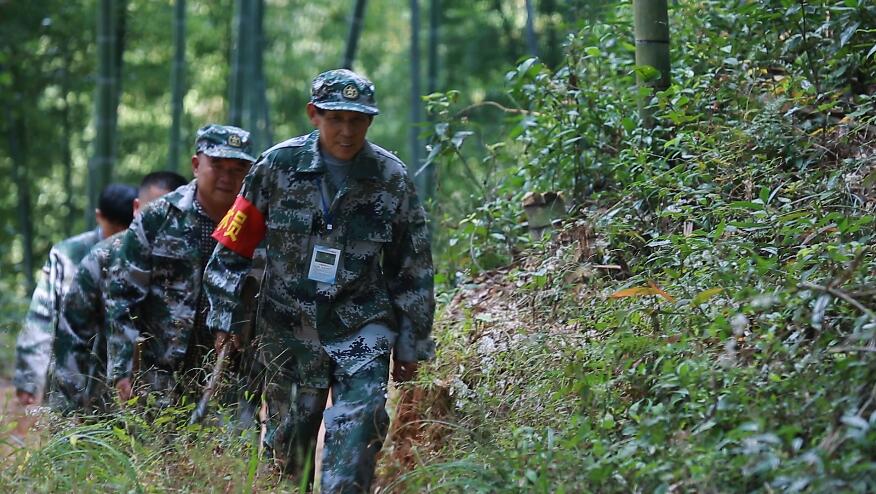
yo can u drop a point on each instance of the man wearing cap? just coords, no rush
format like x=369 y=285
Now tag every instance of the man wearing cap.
x=348 y=280
x=155 y=306
x=79 y=350
x=33 y=348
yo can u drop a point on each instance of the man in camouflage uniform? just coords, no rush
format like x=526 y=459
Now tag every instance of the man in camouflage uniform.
x=33 y=348
x=80 y=343
x=155 y=302
x=348 y=279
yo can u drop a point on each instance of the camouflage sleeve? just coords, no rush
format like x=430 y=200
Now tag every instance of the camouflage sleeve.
x=227 y=270
x=34 y=344
x=409 y=275
x=128 y=283
x=80 y=319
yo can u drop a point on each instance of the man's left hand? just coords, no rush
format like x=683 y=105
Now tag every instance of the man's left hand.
x=403 y=371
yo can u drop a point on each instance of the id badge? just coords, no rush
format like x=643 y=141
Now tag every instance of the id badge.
x=324 y=264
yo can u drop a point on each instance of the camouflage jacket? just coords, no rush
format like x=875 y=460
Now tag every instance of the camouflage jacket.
x=385 y=277
x=80 y=341
x=33 y=349
x=154 y=285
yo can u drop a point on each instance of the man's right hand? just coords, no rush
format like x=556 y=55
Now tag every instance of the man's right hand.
x=223 y=337
x=123 y=388
x=25 y=398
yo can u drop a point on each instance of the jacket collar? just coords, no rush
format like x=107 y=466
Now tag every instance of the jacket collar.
x=366 y=164
x=183 y=198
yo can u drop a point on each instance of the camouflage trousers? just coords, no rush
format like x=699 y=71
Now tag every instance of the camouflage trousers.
x=355 y=426
x=78 y=381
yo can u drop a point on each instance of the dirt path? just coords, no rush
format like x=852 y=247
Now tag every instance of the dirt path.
x=15 y=421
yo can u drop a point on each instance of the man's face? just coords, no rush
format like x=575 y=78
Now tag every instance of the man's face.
x=341 y=132
x=219 y=179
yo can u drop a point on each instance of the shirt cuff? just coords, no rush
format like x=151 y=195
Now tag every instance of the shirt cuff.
x=408 y=348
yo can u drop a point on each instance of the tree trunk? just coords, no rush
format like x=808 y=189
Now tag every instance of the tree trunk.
x=18 y=153
x=428 y=190
x=531 y=40
x=120 y=23
x=553 y=50
x=434 y=24
x=262 y=135
x=651 y=20
x=416 y=103
x=67 y=155
x=248 y=106
x=239 y=59
x=353 y=35
x=104 y=105
x=177 y=84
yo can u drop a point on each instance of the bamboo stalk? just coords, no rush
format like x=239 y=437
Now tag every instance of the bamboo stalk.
x=416 y=93
x=353 y=35
x=177 y=83
x=531 y=40
x=237 y=94
x=104 y=120
x=651 y=23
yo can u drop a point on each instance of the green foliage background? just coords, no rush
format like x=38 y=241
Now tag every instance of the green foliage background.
x=702 y=323
x=706 y=321
x=48 y=45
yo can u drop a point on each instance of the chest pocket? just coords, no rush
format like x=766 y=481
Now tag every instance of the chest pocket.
x=287 y=237
x=173 y=263
x=365 y=247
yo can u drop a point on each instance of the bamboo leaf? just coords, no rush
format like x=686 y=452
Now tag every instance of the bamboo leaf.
x=642 y=291
x=819 y=309
x=660 y=292
x=848 y=33
x=855 y=421
x=705 y=295
x=459 y=138
x=639 y=291
x=647 y=72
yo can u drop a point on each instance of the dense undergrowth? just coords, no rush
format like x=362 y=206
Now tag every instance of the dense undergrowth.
x=702 y=320
x=140 y=450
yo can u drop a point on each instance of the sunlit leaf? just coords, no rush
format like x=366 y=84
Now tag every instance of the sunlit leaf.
x=459 y=138
x=819 y=309
x=705 y=295
x=642 y=291
x=647 y=73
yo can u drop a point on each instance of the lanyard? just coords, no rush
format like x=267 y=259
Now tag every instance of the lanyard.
x=326 y=212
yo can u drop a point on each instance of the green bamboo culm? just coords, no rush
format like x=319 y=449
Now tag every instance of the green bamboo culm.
x=239 y=62
x=531 y=39
x=427 y=191
x=177 y=82
x=416 y=95
x=100 y=166
x=353 y=34
x=262 y=135
x=248 y=104
x=651 y=20
x=18 y=153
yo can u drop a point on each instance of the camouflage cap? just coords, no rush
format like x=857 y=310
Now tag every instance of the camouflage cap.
x=343 y=89
x=224 y=141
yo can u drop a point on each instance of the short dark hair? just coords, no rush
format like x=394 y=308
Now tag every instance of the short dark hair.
x=165 y=180
x=116 y=203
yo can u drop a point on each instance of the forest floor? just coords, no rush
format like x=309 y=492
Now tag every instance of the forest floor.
x=16 y=421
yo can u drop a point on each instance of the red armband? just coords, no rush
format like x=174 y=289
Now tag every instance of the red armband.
x=242 y=228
